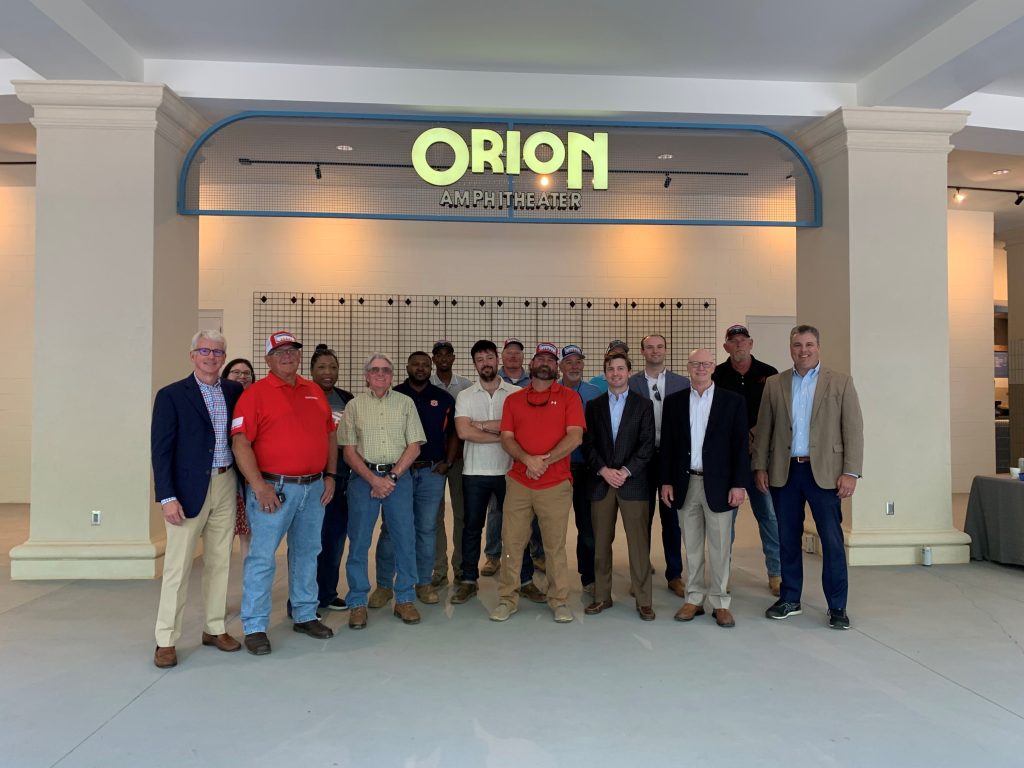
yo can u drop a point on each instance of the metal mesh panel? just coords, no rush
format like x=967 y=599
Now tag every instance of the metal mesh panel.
x=284 y=164
x=356 y=325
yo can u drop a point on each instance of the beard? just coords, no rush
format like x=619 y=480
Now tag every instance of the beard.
x=543 y=372
x=488 y=374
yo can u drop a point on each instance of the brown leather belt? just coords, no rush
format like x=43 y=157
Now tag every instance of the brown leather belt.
x=220 y=470
x=297 y=479
x=802 y=459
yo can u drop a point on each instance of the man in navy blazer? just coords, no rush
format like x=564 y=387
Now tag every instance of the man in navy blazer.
x=195 y=482
x=656 y=382
x=705 y=466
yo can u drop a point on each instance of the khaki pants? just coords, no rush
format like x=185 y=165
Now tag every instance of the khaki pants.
x=700 y=524
x=454 y=479
x=638 y=544
x=215 y=524
x=551 y=507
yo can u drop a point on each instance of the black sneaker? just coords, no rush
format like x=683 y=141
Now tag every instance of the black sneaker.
x=781 y=610
x=838 y=619
x=337 y=604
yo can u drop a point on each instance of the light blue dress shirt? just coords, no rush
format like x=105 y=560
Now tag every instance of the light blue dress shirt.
x=803 y=401
x=616 y=405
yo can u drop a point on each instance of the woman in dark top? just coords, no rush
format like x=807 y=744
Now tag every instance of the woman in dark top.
x=241 y=371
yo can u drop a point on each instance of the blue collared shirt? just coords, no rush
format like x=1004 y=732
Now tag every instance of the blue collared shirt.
x=587 y=392
x=216 y=406
x=803 y=401
x=616 y=405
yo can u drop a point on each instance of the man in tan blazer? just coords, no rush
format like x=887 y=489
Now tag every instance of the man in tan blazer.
x=809 y=449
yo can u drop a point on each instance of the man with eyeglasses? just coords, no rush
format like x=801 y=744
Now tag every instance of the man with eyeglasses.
x=705 y=467
x=381 y=433
x=195 y=484
x=656 y=382
x=284 y=442
x=541 y=425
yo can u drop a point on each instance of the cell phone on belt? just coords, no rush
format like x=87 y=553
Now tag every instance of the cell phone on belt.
x=280 y=496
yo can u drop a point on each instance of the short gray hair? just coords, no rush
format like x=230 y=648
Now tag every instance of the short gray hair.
x=376 y=356
x=211 y=335
x=799 y=330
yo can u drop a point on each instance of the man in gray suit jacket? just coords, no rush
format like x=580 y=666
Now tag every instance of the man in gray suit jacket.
x=656 y=382
x=809 y=449
x=618 y=446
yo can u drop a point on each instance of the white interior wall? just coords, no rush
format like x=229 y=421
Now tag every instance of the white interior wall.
x=17 y=281
x=972 y=430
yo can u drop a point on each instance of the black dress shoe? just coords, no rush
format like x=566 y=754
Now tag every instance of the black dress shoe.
x=314 y=628
x=258 y=644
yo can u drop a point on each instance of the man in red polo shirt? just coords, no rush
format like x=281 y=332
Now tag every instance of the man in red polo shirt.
x=282 y=436
x=540 y=426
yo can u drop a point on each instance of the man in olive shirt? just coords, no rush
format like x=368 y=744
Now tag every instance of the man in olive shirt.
x=381 y=434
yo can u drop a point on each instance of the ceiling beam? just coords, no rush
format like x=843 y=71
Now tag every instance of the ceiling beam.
x=66 y=40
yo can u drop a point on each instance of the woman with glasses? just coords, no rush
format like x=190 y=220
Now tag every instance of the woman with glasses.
x=241 y=371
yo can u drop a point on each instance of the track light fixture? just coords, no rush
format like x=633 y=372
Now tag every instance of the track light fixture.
x=668 y=181
x=317 y=172
x=1020 y=198
x=959 y=196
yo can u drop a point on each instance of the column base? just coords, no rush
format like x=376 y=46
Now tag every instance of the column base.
x=79 y=560
x=949 y=546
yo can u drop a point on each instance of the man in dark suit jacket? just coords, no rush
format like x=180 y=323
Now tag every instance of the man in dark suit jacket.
x=705 y=466
x=618 y=446
x=195 y=485
x=656 y=382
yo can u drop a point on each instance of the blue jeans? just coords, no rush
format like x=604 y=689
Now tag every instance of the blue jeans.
x=764 y=512
x=492 y=549
x=789 y=500
x=477 y=491
x=427 y=490
x=362 y=519
x=332 y=540
x=301 y=518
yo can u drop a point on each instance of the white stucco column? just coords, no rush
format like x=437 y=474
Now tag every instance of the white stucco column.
x=1015 y=336
x=116 y=293
x=873 y=279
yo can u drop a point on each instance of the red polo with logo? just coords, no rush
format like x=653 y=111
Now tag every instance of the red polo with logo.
x=287 y=425
x=539 y=428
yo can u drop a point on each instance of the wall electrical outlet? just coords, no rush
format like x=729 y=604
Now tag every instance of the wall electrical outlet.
x=890 y=507
x=97 y=517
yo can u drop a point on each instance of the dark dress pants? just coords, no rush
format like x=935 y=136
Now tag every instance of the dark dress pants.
x=671 y=534
x=332 y=540
x=584 y=523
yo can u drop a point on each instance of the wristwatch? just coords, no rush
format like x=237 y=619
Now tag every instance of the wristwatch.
x=331 y=475
x=393 y=476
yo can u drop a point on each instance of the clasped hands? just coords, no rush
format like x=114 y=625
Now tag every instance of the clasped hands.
x=381 y=487
x=614 y=477
x=536 y=465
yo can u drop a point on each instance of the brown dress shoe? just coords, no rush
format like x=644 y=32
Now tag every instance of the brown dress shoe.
x=407 y=612
x=679 y=587
x=646 y=612
x=165 y=657
x=257 y=643
x=314 y=628
x=223 y=642
x=689 y=611
x=357 y=618
x=532 y=593
x=491 y=567
x=723 y=617
x=597 y=606
x=775 y=584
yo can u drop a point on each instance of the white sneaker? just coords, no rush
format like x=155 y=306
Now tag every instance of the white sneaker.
x=562 y=614
x=503 y=612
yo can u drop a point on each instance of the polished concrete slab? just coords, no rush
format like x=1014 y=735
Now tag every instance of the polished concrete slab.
x=932 y=673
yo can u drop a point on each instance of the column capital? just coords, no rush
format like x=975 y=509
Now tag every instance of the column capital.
x=881 y=129
x=111 y=105
x=1012 y=238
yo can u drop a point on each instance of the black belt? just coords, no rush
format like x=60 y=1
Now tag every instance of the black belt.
x=297 y=479
x=380 y=468
x=697 y=472
x=802 y=459
x=423 y=464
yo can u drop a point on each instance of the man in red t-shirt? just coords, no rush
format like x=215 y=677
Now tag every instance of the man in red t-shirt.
x=283 y=438
x=540 y=426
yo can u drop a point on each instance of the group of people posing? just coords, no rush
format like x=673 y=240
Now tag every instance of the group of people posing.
x=518 y=449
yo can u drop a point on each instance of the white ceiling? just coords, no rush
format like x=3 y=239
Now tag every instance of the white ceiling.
x=745 y=61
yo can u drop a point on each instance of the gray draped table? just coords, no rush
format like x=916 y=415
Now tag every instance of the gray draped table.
x=995 y=519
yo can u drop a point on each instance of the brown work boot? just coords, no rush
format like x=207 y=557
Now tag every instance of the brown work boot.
x=463 y=592
x=427 y=594
x=490 y=567
x=357 y=618
x=380 y=597
x=165 y=657
x=532 y=593
x=407 y=613
x=689 y=611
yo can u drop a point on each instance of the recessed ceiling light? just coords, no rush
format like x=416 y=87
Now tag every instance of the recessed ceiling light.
x=1001 y=172
x=666 y=156
x=344 y=148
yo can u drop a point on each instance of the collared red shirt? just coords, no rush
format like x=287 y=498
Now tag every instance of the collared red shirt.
x=616 y=405
x=381 y=428
x=436 y=409
x=700 y=410
x=539 y=428
x=217 y=407
x=477 y=404
x=456 y=385
x=522 y=381
x=803 y=400
x=287 y=425
x=587 y=392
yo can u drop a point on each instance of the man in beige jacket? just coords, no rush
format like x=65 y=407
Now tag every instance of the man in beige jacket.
x=809 y=449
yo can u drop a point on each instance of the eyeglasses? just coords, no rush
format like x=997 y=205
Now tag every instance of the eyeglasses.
x=657 y=394
x=206 y=352
x=700 y=364
x=286 y=352
x=530 y=391
x=376 y=371
x=240 y=374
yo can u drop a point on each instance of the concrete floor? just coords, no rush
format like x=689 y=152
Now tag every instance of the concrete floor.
x=932 y=674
